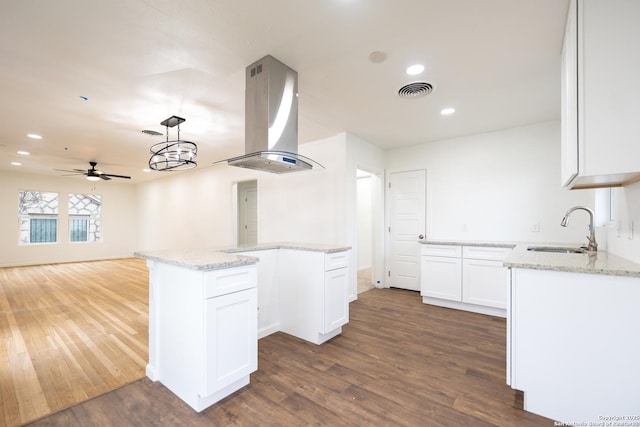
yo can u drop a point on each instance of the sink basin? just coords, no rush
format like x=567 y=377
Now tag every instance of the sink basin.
x=557 y=249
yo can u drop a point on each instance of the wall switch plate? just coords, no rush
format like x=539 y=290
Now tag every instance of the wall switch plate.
x=535 y=228
x=464 y=228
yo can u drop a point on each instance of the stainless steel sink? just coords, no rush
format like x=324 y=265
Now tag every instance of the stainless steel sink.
x=557 y=249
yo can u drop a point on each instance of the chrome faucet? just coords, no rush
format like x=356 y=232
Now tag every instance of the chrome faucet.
x=592 y=246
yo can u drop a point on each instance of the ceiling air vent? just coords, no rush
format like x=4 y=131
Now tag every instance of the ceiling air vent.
x=415 y=90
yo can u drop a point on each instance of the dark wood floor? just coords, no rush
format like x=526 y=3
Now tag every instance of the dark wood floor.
x=398 y=363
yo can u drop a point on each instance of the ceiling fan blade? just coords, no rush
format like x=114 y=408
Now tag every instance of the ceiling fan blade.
x=73 y=174
x=105 y=177
x=78 y=171
x=114 y=176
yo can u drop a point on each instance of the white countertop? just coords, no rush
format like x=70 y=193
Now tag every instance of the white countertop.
x=219 y=258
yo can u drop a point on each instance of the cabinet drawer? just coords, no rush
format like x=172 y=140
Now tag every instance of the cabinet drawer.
x=336 y=260
x=442 y=250
x=221 y=282
x=483 y=252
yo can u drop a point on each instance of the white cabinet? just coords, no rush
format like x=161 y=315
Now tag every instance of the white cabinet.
x=441 y=272
x=202 y=330
x=313 y=289
x=484 y=279
x=465 y=277
x=600 y=100
x=573 y=344
x=231 y=341
x=268 y=299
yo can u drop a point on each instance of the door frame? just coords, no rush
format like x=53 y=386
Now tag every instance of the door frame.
x=377 y=225
x=387 y=216
x=235 y=213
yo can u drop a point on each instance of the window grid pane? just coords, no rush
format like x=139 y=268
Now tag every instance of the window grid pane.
x=78 y=229
x=43 y=230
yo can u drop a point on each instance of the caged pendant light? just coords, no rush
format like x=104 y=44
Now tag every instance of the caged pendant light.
x=175 y=155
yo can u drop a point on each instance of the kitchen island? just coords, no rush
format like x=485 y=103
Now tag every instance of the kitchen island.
x=202 y=323
x=572 y=335
x=206 y=307
x=303 y=289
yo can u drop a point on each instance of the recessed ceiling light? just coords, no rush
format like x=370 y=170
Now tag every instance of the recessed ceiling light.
x=24 y=153
x=447 y=111
x=34 y=136
x=16 y=164
x=415 y=69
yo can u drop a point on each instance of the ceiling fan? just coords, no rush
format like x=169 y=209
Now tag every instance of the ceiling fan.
x=93 y=174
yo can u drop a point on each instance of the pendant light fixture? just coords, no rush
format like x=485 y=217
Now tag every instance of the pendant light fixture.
x=175 y=155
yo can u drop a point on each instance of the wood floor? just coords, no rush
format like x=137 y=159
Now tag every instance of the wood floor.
x=398 y=363
x=69 y=332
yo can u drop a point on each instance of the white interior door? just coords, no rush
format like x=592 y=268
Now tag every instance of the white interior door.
x=405 y=226
x=248 y=213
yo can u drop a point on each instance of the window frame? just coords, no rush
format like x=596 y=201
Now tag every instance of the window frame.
x=28 y=217
x=92 y=220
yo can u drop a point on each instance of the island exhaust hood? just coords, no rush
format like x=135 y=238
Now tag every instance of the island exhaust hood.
x=271 y=120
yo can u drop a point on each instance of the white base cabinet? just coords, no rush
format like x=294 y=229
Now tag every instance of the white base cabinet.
x=202 y=330
x=441 y=272
x=573 y=346
x=468 y=278
x=313 y=290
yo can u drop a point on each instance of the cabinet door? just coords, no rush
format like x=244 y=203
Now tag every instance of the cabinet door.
x=569 y=97
x=485 y=283
x=231 y=341
x=441 y=278
x=336 y=305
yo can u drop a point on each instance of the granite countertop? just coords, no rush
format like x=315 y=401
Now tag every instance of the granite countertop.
x=588 y=262
x=198 y=259
x=484 y=244
x=314 y=247
x=227 y=257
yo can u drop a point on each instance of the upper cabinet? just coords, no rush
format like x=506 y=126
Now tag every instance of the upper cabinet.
x=600 y=100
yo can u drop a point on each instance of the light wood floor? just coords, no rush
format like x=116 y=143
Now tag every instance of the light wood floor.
x=364 y=280
x=398 y=363
x=69 y=332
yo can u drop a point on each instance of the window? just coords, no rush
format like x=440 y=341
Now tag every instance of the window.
x=84 y=217
x=38 y=217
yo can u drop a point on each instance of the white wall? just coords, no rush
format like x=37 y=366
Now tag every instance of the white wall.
x=119 y=220
x=497 y=186
x=195 y=209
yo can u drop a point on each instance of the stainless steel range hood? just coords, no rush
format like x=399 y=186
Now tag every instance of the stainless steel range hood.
x=271 y=120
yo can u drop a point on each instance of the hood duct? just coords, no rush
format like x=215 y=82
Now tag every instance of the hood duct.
x=271 y=120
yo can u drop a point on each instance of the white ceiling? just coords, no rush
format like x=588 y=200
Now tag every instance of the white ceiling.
x=140 y=61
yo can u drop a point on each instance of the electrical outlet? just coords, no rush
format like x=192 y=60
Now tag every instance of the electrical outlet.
x=535 y=228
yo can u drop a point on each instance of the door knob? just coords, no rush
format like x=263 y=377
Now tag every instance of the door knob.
x=421 y=236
